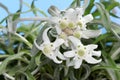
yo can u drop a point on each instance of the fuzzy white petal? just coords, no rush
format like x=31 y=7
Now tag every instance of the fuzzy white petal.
x=91 y=60
x=79 y=11
x=96 y=53
x=91 y=33
x=54 y=58
x=70 y=62
x=74 y=40
x=59 y=31
x=54 y=20
x=58 y=42
x=69 y=13
x=91 y=47
x=66 y=43
x=60 y=55
x=69 y=54
x=88 y=18
x=84 y=35
x=45 y=36
x=78 y=63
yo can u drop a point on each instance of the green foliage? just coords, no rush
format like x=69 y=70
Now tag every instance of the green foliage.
x=22 y=60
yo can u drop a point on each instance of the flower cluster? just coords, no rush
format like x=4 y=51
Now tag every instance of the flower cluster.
x=70 y=26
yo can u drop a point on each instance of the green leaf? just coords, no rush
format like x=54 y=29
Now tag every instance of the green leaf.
x=109 y=5
x=105 y=17
x=73 y=4
x=33 y=8
x=90 y=6
x=29 y=76
x=23 y=40
x=41 y=12
x=102 y=37
x=17 y=15
x=34 y=49
x=32 y=64
x=116 y=27
x=77 y=3
x=37 y=9
x=37 y=59
x=87 y=70
x=112 y=14
x=7 y=60
x=112 y=5
x=72 y=76
x=114 y=74
x=3 y=56
x=57 y=73
x=16 y=69
x=115 y=51
x=97 y=67
x=117 y=36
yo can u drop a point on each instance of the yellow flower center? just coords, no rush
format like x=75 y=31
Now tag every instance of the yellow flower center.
x=63 y=36
x=79 y=23
x=68 y=27
x=48 y=48
x=71 y=25
x=77 y=34
x=63 y=24
x=68 y=31
x=81 y=52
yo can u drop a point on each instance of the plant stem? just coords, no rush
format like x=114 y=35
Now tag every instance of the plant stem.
x=78 y=3
x=33 y=19
x=24 y=40
x=8 y=76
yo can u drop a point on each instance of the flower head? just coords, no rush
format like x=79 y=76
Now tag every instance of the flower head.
x=51 y=49
x=70 y=26
x=81 y=52
x=73 y=23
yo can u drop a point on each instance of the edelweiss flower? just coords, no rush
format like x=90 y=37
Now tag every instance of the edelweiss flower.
x=51 y=49
x=70 y=26
x=72 y=23
x=81 y=52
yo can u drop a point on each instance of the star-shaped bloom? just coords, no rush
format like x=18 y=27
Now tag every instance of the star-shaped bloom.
x=51 y=49
x=81 y=52
x=73 y=23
